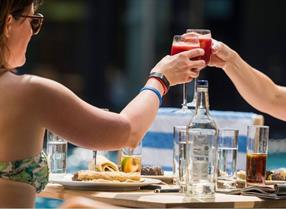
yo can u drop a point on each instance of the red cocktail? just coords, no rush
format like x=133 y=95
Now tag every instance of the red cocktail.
x=180 y=48
x=186 y=43
x=205 y=39
x=206 y=44
x=181 y=44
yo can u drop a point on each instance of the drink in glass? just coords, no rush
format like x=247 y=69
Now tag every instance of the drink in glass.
x=130 y=163
x=57 y=153
x=180 y=158
x=131 y=159
x=256 y=168
x=204 y=38
x=205 y=41
x=181 y=44
x=257 y=147
x=227 y=159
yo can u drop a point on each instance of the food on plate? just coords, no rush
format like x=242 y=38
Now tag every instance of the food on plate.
x=152 y=171
x=131 y=163
x=268 y=175
x=99 y=176
x=222 y=173
x=102 y=164
x=277 y=175
x=241 y=175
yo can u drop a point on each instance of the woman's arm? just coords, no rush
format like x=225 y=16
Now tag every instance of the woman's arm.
x=61 y=111
x=142 y=110
x=254 y=86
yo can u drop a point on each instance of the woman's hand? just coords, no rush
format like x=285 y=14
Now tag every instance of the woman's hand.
x=221 y=55
x=180 y=68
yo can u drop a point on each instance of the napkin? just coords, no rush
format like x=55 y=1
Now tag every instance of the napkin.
x=277 y=192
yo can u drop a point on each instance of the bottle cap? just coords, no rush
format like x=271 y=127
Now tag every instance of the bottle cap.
x=202 y=83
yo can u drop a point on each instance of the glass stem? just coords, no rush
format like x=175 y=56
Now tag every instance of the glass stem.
x=184 y=105
x=195 y=90
x=94 y=156
x=192 y=104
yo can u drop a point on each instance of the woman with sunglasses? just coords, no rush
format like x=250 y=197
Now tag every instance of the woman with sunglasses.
x=31 y=104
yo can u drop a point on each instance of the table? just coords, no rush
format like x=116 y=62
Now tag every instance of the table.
x=149 y=199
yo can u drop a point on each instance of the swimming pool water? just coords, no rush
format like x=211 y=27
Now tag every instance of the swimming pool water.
x=43 y=202
x=276 y=160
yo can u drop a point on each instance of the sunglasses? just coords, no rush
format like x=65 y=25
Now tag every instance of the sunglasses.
x=36 y=22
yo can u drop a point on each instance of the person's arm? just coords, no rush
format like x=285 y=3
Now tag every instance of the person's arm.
x=254 y=86
x=142 y=110
x=61 y=111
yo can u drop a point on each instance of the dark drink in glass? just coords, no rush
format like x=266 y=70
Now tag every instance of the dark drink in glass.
x=256 y=168
x=257 y=148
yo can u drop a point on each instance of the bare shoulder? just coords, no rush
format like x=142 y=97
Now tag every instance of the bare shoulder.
x=39 y=84
x=43 y=88
x=22 y=88
x=39 y=94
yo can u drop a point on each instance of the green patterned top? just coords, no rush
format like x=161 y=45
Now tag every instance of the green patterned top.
x=33 y=171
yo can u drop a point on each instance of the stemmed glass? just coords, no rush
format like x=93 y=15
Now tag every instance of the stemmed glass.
x=180 y=44
x=205 y=42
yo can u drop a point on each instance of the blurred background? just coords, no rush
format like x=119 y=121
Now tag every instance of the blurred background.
x=104 y=50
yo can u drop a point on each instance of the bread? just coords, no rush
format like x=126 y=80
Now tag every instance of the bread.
x=87 y=175
x=102 y=164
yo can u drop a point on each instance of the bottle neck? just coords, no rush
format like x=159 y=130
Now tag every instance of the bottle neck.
x=202 y=103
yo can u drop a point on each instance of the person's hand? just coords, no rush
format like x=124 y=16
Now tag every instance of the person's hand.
x=180 y=68
x=221 y=55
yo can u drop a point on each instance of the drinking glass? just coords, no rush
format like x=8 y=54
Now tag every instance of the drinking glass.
x=180 y=44
x=257 y=147
x=205 y=42
x=57 y=153
x=131 y=159
x=180 y=140
x=227 y=159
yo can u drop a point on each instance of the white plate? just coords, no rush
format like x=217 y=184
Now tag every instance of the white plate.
x=267 y=182
x=272 y=182
x=166 y=179
x=67 y=182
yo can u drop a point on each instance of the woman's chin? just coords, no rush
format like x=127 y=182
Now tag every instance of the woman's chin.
x=16 y=64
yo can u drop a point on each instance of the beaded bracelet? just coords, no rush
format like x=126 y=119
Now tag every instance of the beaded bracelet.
x=154 y=90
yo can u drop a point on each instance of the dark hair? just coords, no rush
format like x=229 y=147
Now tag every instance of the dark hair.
x=13 y=7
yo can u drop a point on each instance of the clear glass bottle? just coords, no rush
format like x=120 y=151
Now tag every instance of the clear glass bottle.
x=203 y=148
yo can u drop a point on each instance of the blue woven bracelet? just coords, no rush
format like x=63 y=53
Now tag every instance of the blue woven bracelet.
x=153 y=90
